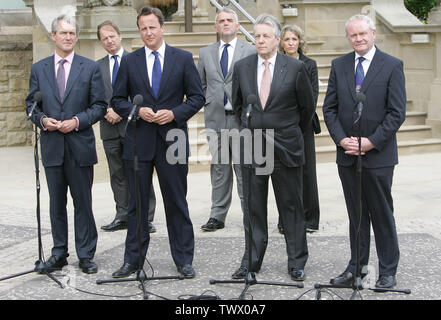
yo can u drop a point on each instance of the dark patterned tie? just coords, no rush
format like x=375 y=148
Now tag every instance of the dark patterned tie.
x=115 y=69
x=61 y=78
x=224 y=66
x=359 y=74
x=156 y=74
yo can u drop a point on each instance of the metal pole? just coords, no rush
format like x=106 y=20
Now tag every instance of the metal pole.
x=188 y=16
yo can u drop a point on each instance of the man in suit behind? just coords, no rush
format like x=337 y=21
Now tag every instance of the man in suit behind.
x=163 y=76
x=380 y=78
x=215 y=67
x=286 y=107
x=72 y=101
x=113 y=129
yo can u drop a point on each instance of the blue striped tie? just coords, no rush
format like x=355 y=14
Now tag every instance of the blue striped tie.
x=359 y=74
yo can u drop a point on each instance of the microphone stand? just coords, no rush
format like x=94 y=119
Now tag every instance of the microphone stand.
x=141 y=276
x=39 y=264
x=251 y=278
x=357 y=284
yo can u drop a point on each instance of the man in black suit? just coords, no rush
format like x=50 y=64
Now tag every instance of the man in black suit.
x=113 y=129
x=286 y=107
x=380 y=78
x=72 y=101
x=163 y=76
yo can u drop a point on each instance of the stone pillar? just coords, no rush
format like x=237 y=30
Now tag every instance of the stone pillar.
x=434 y=105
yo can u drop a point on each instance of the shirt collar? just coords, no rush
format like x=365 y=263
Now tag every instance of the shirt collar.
x=161 y=50
x=271 y=60
x=69 y=58
x=119 y=53
x=369 y=55
x=232 y=43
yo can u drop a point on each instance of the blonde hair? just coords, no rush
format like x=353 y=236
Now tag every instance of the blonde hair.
x=299 y=33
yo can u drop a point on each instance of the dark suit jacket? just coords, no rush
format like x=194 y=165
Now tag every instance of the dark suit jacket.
x=83 y=98
x=179 y=78
x=383 y=113
x=311 y=69
x=108 y=130
x=289 y=108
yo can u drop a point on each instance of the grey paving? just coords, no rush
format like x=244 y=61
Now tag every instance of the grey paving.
x=417 y=201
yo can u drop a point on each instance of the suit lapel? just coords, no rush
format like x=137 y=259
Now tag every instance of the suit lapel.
x=350 y=73
x=169 y=65
x=75 y=71
x=252 y=67
x=49 y=72
x=106 y=72
x=278 y=77
x=374 y=68
x=216 y=59
x=141 y=62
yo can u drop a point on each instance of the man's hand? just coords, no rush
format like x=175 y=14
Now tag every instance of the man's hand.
x=146 y=114
x=163 y=116
x=67 y=126
x=351 y=145
x=51 y=124
x=111 y=116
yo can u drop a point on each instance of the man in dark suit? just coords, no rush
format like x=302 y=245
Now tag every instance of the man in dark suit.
x=113 y=129
x=286 y=107
x=163 y=76
x=72 y=101
x=380 y=78
x=215 y=67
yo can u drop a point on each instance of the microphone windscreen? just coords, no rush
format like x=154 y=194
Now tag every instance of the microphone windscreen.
x=360 y=97
x=138 y=99
x=251 y=99
x=37 y=96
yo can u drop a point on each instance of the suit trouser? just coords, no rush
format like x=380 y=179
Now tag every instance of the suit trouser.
x=173 y=182
x=118 y=180
x=79 y=180
x=287 y=185
x=221 y=174
x=377 y=208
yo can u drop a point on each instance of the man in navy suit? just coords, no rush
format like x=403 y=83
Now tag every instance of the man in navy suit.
x=72 y=101
x=380 y=78
x=163 y=76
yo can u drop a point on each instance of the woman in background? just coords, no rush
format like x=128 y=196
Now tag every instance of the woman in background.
x=293 y=44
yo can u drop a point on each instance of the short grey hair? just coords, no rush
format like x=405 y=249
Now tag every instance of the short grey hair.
x=226 y=9
x=270 y=20
x=362 y=17
x=69 y=19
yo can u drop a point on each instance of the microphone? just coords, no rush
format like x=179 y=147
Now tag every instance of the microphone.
x=360 y=99
x=137 y=100
x=251 y=100
x=37 y=100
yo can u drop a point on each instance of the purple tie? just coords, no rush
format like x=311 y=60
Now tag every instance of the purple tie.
x=359 y=74
x=61 y=79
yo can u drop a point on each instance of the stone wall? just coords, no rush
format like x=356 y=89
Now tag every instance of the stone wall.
x=15 y=65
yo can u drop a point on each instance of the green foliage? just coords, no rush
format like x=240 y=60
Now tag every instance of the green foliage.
x=420 y=8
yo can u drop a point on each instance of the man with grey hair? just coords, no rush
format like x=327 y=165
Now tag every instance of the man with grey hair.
x=285 y=106
x=72 y=101
x=367 y=74
x=215 y=66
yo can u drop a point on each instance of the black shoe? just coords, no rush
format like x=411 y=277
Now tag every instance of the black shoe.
x=240 y=273
x=152 y=228
x=386 y=282
x=345 y=279
x=88 y=266
x=297 y=274
x=115 y=225
x=187 y=271
x=280 y=227
x=125 y=271
x=309 y=230
x=212 y=225
x=54 y=263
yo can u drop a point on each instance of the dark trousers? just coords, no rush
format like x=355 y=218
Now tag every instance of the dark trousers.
x=79 y=180
x=287 y=185
x=173 y=182
x=377 y=208
x=118 y=180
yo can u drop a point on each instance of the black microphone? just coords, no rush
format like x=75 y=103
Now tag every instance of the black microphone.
x=137 y=100
x=360 y=99
x=251 y=100
x=37 y=100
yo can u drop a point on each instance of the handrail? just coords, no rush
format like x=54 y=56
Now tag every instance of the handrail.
x=243 y=11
